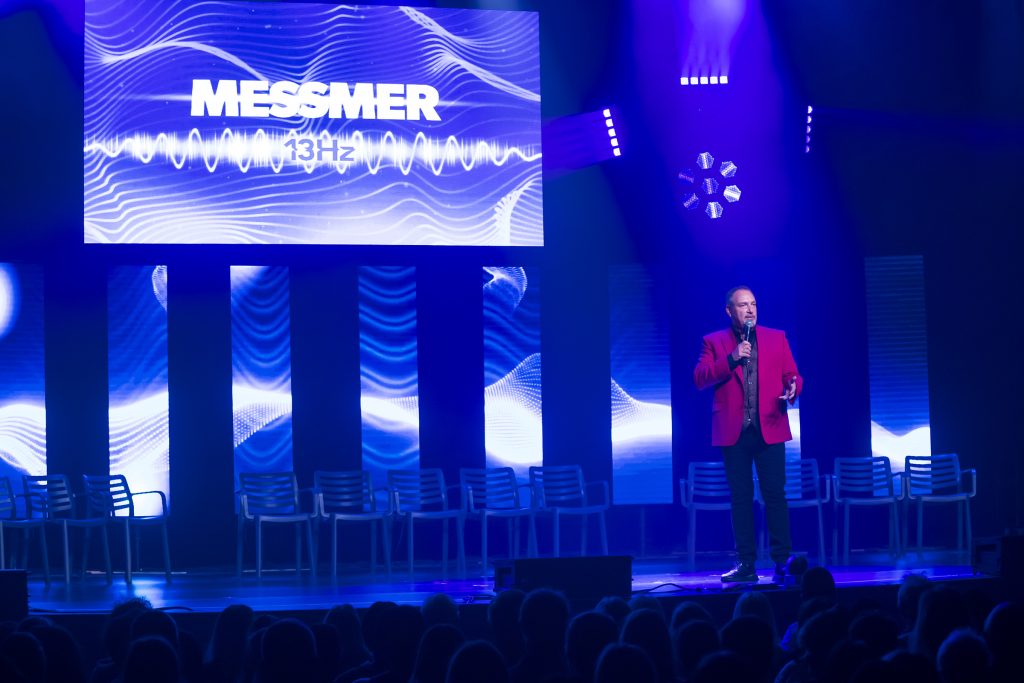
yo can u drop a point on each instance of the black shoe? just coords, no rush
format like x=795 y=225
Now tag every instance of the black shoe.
x=779 y=576
x=742 y=573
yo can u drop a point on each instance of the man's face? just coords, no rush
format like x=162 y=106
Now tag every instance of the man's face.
x=742 y=308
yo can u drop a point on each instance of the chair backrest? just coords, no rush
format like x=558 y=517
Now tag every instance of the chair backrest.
x=49 y=495
x=494 y=488
x=558 y=485
x=418 y=490
x=802 y=480
x=108 y=494
x=933 y=475
x=269 y=493
x=8 y=506
x=863 y=477
x=344 y=491
x=707 y=482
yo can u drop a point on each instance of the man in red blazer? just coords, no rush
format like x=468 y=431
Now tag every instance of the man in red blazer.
x=754 y=377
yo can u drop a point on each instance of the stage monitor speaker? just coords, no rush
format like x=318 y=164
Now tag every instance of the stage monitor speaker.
x=1000 y=556
x=579 y=578
x=13 y=594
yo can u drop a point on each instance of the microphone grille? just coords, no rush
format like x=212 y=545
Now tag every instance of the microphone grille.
x=748 y=324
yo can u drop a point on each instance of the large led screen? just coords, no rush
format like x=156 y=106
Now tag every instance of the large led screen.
x=641 y=389
x=301 y=123
x=898 y=357
x=22 y=376
x=512 y=371
x=389 y=369
x=137 y=380
x=261 y=368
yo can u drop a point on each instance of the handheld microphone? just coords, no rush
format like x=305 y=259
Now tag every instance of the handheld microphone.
x=747 y=327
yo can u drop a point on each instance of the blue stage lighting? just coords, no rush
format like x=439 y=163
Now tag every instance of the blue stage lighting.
x=713 y=210
x=709 y=185
x=731 y=193
x=705 y=160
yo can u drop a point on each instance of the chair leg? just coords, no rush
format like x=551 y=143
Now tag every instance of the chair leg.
x=67 y=553
x=959 y=529
x=106 y=555
x=846 y=535
x=409 y=545
x=821 y=537
x=127 y=552
x=45 y=552
x=373 y=548
x=970 y=533
x=259 y=548
x=604 y=533
x=298 y=549
x=386 y=536
x=444 y=551
x=691 y=539
x=512 y=529
x=167 y=553
x=334 y=548
x=460 y=538
x=556 y=526
x=483 y=544
x=920 y=527
x=239 y=544
x=531 y=541
x=312 y=548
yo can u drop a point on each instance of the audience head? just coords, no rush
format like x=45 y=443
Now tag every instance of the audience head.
x=644 y=601
x=370 y=625
x=818 y=583
x=117 y=632
x=477 y=662
x=288 y=652
x=693 y=641
x=964 y=658
x=1004 y=631
x=328 y=650
x=754 y=604
x=879 y=632
x=646 y=629
x=754 y=641
x=399 y=630
x=615 y=607
x=942 y=611
x=25 y=653
x=912 y=587
x=820 y=634
x=155 y=623
x=690 y=611
x=845 y=659
x=586 y=637
x=724 y=666
x=624 y=662
x=503 y=615
x=437 y=647
x=543 y=618
x=63 y=657
x=226 y=650
x=151 y=659
x=439 y=608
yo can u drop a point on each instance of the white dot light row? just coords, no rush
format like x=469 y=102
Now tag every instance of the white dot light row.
x=611 y=132
x=704 y=80
x=810 y=110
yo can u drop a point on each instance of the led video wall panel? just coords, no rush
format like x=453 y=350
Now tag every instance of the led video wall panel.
x=261 y=369
x=512 y=368
x=137 y=380
x=388 y=369
x=22 y=376
x=641 y=400
x=303 y=123
x=897 y=357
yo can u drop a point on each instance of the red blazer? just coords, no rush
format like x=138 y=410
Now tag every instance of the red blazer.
x=775 y=369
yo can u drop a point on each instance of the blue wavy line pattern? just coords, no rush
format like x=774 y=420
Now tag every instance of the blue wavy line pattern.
x=513 y=425
x=156 y=174
x=137 y=380
x=897 y=357
x=261 y=372
x=388 y=369
x=641 y=398
x=22 y=372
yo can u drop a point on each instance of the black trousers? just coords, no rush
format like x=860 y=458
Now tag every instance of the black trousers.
x=770 y=461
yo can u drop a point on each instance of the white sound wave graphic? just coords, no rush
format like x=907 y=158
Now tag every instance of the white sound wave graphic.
x=139 y=439
x=897 y=447
x=23 y=437
x=262 y=149
x=513 y=416
x=638 y=421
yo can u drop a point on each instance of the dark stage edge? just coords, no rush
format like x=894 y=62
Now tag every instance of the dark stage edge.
x=281 y=590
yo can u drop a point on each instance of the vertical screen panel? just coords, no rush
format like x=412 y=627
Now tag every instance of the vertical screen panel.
x=137 y=380
x=261 y=369
x=897 y=357
x=512 y=368
x=793 y=446
x=388 y=369
x=640 y=390
x=22 y=376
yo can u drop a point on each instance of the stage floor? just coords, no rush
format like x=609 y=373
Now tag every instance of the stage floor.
x=283 y=590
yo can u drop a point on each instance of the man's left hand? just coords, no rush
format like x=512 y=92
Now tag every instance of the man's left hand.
x=790 y=393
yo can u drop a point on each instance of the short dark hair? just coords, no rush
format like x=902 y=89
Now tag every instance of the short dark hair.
x=737 y=288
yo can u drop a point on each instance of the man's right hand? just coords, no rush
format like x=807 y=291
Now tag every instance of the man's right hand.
x=741 y=351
